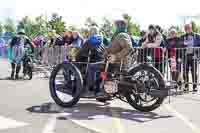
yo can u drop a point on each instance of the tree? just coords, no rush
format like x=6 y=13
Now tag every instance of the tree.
x=90 y=22
x=56 y=23
x=26 y=24
x=179 y=30
x=133 y=28
x=107 y=27
x=1 y=27
x=9 y=25
x=73 y=28
x=195 y=27
x=35 y=27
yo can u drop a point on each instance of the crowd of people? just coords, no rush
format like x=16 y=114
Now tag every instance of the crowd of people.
x=182 y=50
x=153 y=41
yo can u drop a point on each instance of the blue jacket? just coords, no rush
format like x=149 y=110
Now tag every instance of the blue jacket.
x=77 y=42
x=196 y=39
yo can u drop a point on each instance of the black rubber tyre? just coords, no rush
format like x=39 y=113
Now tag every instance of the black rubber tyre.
x=78 y=89
x=161 y=83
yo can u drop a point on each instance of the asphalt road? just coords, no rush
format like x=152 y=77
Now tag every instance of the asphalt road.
x=26 y=107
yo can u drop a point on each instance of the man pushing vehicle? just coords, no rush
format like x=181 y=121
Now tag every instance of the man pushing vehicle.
x=17 y=51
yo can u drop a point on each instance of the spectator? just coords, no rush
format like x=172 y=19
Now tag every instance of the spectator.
x=190 y=41
x=143 y=35
x=152 y=43
x=2 y=47
x=39 y=42
x=75 y=45
x=174 y=54
x=159 y=29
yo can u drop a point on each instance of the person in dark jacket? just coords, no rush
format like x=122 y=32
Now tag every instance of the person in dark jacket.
x=191 y=41
x=94 y=49
x=18 y=45
x=173 y=45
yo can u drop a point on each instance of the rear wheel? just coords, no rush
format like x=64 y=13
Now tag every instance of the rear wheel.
x=151 y=79
x=66 y=84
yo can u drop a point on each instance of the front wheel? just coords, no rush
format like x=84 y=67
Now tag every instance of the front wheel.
x=151 y=79
x=66 y=84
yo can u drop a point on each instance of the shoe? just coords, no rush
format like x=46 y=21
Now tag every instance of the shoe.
x=88 y=94
x=195 y=90
x=16 y=76
x=12 y=76
x=102 y=97
x=186 y=89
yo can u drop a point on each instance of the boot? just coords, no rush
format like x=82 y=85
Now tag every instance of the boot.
x=13 y=71
x=12 y=75
x=101 y=95
x=17 y=71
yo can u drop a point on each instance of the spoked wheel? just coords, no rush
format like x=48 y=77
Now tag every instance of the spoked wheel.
x=66 y=84
x=148 y=79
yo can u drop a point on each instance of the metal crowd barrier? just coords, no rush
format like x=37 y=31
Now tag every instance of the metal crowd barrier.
x=3 y=52
x=180 y=65
x=176 y=64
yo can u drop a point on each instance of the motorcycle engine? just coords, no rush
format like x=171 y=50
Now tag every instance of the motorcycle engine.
x=111 y=87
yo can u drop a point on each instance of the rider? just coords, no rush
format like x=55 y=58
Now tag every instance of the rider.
x=121 y=46
x=18 y=45
x=121 y=43
x=94 y=48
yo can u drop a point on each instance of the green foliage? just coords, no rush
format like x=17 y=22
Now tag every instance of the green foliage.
x=106 y=28
x=57 y=23
x=40 y=26
x=35 y=27
x=195 y=27
x=1 y=27
x=179 y=30
x=9 y=25
x=133 y=28
x=72 y=28
x=90 y=22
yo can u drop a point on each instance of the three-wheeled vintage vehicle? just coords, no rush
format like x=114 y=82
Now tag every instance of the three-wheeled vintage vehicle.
x=139 y=84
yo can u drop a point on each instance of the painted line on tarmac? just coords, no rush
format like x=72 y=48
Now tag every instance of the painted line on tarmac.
x=116 y=121
x=192 y=126
x=51 y=124
x=7 y=123
x=84 y=125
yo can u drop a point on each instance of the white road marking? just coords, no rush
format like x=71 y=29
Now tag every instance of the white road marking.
x=194 y=128
x=51 y=124
x=7 y=123
x=116 y=122
x=85 y=125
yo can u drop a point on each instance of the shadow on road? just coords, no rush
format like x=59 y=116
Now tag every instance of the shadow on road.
x=91 y=111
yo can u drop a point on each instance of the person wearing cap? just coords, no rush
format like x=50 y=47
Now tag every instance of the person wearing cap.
x=191 y=41
x=121 y=43
x=121 y=46
x=17 y=46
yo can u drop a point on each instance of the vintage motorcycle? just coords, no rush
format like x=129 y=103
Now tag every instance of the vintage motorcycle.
x=140 y=85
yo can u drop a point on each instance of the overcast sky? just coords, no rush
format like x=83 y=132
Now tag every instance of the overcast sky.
x=144 y=12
